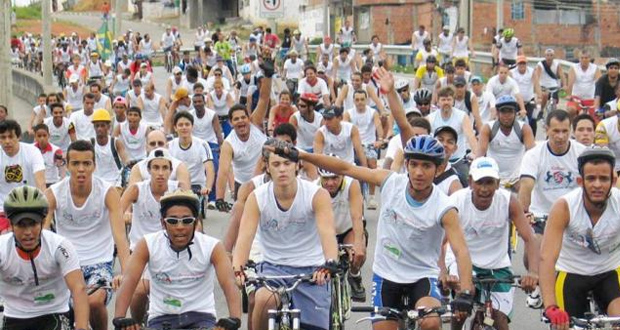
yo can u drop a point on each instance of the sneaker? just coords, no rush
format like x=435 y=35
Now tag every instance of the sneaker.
x=358 y=292
x=372 y=203
x=534 y=300
x=211 y=205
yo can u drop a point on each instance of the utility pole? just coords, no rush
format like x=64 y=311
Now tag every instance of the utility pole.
x=47 y=42
x=500 y=14
x=326 y=18
x=117 y=18
x=6 y=81
x=599 y=35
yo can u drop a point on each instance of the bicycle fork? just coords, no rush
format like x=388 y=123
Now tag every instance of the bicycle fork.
x=286 y=316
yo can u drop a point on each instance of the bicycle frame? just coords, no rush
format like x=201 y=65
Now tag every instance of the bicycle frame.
x=484 y=314
x=409 y=318
x=341 y=298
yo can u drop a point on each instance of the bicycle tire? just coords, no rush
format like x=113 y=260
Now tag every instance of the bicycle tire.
x=337 y=320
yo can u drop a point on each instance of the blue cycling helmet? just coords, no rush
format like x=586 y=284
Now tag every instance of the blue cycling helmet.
x=139 y=57
x=506 y=101
x=425 y=147
x=245 y=69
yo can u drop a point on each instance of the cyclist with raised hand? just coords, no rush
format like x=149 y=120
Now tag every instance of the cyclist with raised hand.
x=183 y=264
x=87 y=212
x=304 y=225
x=144 y=198
x=606 y=85
x=394 y=158
x=486 y=214
x=579 y=249
x=550 y=76
x=242 y=147
x=509 y=48
x=140 y=172
x=582 y=79
x=39 y=270
x=506 y=140
x=413 y=219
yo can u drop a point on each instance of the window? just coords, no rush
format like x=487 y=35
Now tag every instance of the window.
x=517 y=11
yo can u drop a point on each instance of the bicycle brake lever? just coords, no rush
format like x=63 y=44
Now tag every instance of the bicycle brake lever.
x=371 y=318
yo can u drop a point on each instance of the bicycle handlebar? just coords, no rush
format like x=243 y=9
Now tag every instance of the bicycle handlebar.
x=413 y=315
x=264 y=280
x=492 y=281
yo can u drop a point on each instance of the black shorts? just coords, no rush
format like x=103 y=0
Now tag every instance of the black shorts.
x=509 y=63
x=43 y=322
x=402 y=295
x=539 y=225
x=340 y=237
x=571 y=291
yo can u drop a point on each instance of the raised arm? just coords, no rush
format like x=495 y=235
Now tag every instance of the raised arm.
x=386 y=81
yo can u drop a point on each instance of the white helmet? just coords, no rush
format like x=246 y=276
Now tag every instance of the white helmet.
x=401 y=83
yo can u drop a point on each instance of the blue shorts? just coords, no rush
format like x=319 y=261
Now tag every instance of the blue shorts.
x=314 y=301
x=184 y=320
x=386 y=293
x=95 y=273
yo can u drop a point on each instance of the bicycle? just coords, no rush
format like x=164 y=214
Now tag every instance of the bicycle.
x=284 y=317
x=169 y=62
x=552 y=103
x=408 y=318
x=483 y=318
x=341 y=295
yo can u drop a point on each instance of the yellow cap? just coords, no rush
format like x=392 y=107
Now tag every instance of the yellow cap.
x=101 y=115
x=94 y=54
x=180 y=93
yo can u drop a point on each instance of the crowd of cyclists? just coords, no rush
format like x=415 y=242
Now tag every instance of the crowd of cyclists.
x=293 y=147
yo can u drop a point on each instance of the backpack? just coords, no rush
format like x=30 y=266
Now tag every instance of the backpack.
x=117 y=159
x=515 y=126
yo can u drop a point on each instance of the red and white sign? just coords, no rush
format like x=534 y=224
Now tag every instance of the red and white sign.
x=271 y=8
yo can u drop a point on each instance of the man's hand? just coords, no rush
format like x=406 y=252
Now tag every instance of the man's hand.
x=358 y=255
x=323 y=274
x=283 y=149
x=205 y=191
x=462 y=305
x=116 y=282
x=529 y=282
x=385 y=79
x=557 y=317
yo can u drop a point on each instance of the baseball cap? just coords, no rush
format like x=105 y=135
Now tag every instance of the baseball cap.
x=448 y=129
x=120 y=99
x=484 y=167
x=521 y=59
x=320 y=68
x=476 y=79
x=219 y=58
x=459 y=81
x=412 y=110
x=445 y=27
x=74 y=78
x=180 y=93
x=143 y=65
x=176 y=70
x=332 y=112
x=161 y=153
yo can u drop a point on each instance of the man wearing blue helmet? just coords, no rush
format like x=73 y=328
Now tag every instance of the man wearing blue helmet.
x=413 y=219
x=243 y=83
x=506 y=140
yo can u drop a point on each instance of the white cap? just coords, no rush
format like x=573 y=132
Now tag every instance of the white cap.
x=176 y=70
x=412 y=110
x=108 y=63
x=74 y=78
x=445 y=27
x=161 y=153
x=484 y=167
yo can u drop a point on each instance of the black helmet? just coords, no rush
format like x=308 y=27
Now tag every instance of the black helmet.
x=612 y=61
x=595 y=153
x=431 y=59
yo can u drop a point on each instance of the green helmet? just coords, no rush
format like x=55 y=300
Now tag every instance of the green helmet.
x=508 y=33
x=25 y=202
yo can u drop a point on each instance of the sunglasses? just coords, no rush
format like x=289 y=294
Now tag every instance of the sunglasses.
x=217 y=75
x=184 y=221
x=157 y=143
x=424 y=104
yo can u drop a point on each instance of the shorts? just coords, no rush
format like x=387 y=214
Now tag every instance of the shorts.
x=571 y=291
x=314 y=301
x=340 y=237
x=502 y=294
x=370 y=151
x=386 y=293
x=189 y=320
x=508 y=62
x=43 y=322
x=97 y=272
x=4 y=222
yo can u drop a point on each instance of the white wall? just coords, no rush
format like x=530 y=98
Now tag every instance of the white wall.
x=311 y=22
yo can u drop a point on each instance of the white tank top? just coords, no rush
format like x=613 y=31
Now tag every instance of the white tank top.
x=344 y=69
x=94 y=69
x=146 y=218
x=147 y=46
x=88 y=226
x=145 y=79
x=509 y=50
x=121 y=85
x=460 y=47
x=546 y=80
x=150 y=112
x=133 y=98
x=298 y=45
x=306 y=130
x=443 y=186
x=346 y=35
x=349 y=103
x=341 y=144
x=507 y=151
x=445 y=43
x=106 y=168
x=455 y=121
x=485 y=228
x=327 y=50
x=219 y=104
x=341 y=207
x=246 y=153
x=397 y=258
x=581 y=239
x=59 y=135
x=203 y=127
x=124 y=65
x=180 y=284
x=135 y=144
x=584 y=85
x=75 y=98
x=607 y=131
x=287 y=235
x=365 y=124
